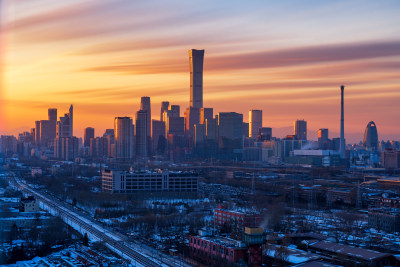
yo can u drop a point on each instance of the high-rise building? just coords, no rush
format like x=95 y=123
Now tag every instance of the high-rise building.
x=172 y=111
x=109 y=135
x=124 y=136
x=158 y=136
x=371 y=136
x=336 y=144
x=175 y=126
x=98 y=147
x=206 y=113
x=175 y=110
x=52 y=115
x=246 y=129
x=89 y=133
x=45 y=132
x=196 y=58
x=230 y=133
x=192 y=117
x=33 y=135
x=65 y=126
x=264 y=134
x=255 y=122
x=37 y=133
x=141 y=133
x=164 y=107
x=198 y=134
x=211 y=130
x=323 y=138
x=300 y=129
x=66 y=148
x=146 y=106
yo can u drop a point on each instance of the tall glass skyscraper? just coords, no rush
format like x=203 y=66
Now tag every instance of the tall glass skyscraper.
x=196 y=58
x=124 y=136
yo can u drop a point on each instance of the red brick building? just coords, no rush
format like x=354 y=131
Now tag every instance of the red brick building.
x=217 y=251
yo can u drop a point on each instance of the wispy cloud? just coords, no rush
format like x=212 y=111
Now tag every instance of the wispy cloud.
x=322 y=54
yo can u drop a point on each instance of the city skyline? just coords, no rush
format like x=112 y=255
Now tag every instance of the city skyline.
x=285 y=74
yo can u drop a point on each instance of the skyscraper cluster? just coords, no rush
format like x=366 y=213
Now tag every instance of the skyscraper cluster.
x=197 y=133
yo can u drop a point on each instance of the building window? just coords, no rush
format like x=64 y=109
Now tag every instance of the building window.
x=231 y=253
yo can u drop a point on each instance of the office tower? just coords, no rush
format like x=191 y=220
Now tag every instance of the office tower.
x=141 y=133
x=164 y=107
x=323 y=138
x=37 y=133
x=65 y=126
x=93 y=147
x=300 y=129
x=371 y=136
x=206 y=113
x=255 y=122
x=45 y=126
x=192 y=117
x=196 y=58
x=335 y=145
x=230 y=131
x=198 y=135
x=145 y=105
x=158 y=136
x=342 y=141
x=89 y=133
x=98 y=147
x=66 y=148
x=33 y=135
x=211 y=129
x=175 y=126
x=52 y=115
x=109 y=135
x=175 y=110
x=124 y=136
x=246 y=129
x=264 y=134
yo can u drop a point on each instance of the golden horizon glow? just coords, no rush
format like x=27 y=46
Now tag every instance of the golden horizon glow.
x=288 y=61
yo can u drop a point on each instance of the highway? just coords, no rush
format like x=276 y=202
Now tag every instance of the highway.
x=136 y=254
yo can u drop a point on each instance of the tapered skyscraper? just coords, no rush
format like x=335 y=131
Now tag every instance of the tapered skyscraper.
x=196 y=58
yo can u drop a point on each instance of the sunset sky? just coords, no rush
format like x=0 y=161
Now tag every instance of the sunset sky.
x=287 y=58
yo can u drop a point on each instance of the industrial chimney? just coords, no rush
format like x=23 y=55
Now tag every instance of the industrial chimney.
x=342 y=141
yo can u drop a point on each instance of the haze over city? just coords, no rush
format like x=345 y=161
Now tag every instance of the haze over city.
x=285 y=59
